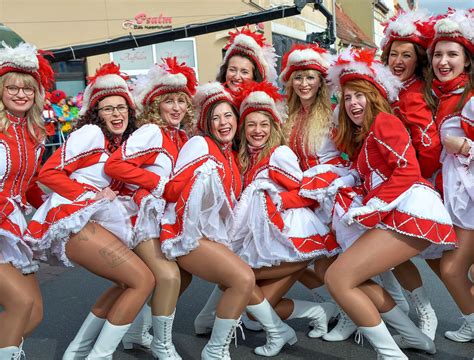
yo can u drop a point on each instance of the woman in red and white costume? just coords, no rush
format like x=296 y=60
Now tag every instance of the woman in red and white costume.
x=407 y=36
x=275 y=231
x=310 y=129
x=397 y=215
x=145 y=163
x=24 y=78
x=85 y=222
x=451 y=80
x=198 y=218
x=247 y=57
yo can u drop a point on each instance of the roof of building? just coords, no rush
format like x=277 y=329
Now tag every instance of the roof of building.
x=349 y=32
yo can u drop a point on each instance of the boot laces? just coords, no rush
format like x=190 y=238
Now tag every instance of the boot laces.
x=359 y=338
x=233 y=334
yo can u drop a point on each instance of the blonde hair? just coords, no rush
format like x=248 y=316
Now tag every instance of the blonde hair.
x=318 y=123
x=349 y=136
x=34 y=115
x=276 y=138
x=151 y=113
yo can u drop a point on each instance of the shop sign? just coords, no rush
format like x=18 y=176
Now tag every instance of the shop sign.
x=143 y=21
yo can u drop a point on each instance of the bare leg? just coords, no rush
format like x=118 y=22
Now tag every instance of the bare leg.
x=435 y=265
x=408 y=276
x=215 y=263
x=105 y=302
x=374 y=252
x=455 y=265
x=100 y=252
x=36 y=315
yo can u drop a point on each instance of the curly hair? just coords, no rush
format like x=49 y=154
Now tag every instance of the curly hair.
x=276 y=138
x=350 y=137
x=151 y=113
x=221 y=75
x=34 y=115
x=92 y=117
x=318 y=124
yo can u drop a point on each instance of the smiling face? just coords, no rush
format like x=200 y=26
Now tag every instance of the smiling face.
x=239 y=69
x=223 y=123
x=18 y=104
x=306 y=84
x=117 y=120
x=402 y=59
x=258 y=127
x=173 y=109
x=449 y=60
x=354 y=104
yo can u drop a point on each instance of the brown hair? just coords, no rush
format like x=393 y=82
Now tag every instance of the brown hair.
x=349 y=136
x=257 y=76
x=151 y=112
x=318 y=123
x=276 y=138
x=422 y=63
x=207 y=124
x=34 y=115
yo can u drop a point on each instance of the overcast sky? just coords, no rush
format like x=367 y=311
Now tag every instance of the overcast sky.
x=440 y=6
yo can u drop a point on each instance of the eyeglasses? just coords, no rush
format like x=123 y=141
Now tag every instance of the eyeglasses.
x=14 y=90
x=109 y=110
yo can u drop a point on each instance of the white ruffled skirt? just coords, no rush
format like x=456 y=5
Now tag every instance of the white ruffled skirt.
x=148 y=221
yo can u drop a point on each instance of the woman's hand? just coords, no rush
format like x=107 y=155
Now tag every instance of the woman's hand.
x=454 y=144
x=106 y=193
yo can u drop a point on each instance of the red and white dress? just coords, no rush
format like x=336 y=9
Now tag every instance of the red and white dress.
x=273 y=223
x=20 y=158
x=457 y=169
x=75 y=172
x=145 y=163
x=394 y=195
x=417 y=117
x=201 y=196
x=324 y=170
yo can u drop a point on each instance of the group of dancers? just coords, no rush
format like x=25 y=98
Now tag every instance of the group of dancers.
x=251 y=190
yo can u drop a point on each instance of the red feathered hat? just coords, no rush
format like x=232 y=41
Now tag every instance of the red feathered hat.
x=303 y=57
x=57 y=96
x=168 y=77
x=457 y=26
x=25 y=59
x=261 y=97
x=253 y=45
x=107 y=81
x=412 y=26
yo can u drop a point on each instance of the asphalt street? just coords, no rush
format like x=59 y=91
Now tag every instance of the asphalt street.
x=69 y=293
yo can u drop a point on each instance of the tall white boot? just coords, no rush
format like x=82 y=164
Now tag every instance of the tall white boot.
x=205 y=320
x=411 y=336
x=382 y=342
x=465 y=332
x=391 y=284
x=278 y=333
x=138 y=333
x=217 y=347
x=343 y=330
x=250 y=324
x=82 y=343
x=427 y=320
x=12 y=352
x=162 y=346
x=108 y=340
x=318 y=313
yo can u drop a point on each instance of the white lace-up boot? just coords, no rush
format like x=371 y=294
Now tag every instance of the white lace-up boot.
x=343 y=330
x=82 y=343
x=138 y=333
x=205 y=319
x=318 y=313
x=427 y=320
x=382 y=342
x=12 y=352
x=392 y=286
x=107 y=342
x=465 y=332
x=162 y=346
x=217 y=347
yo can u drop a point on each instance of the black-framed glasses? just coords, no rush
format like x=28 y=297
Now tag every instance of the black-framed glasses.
x=14 y=90
x=109 y=109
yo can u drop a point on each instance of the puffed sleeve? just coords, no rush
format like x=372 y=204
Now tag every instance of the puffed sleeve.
x=83 y=148
x=142 y=147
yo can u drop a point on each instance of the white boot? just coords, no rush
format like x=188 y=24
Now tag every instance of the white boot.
x=217 y=347
x=12 y=352
x=465 y=332
x=138 y=333
x=278 y=333
x=82 y=343
x=343 y=330
x=382 y=342
x=427 y=320
x=205 y=320
x=391 y=284
x=162 y=346
x=108 y=340
x=250 y=324
x=318 y=313
x=411 y=336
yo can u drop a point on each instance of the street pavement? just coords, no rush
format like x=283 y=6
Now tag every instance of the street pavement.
x=69 y=294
